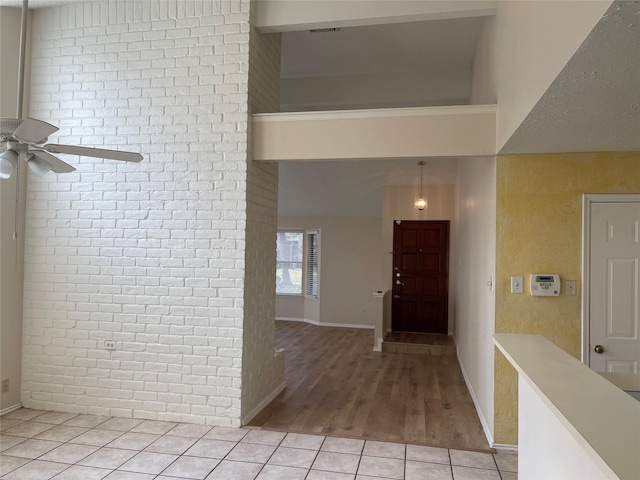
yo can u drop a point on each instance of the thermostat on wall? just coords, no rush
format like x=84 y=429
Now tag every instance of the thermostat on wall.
x=545 y=285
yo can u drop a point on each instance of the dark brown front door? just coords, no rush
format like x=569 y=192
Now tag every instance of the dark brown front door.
x=420 y=276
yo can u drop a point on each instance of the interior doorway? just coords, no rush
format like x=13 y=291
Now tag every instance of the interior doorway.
x=611 y=283
x=420 y=276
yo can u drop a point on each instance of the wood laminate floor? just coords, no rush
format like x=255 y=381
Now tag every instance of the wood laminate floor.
x=337 y=385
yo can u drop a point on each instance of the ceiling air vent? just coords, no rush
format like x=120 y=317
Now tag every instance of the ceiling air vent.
x=324 y=30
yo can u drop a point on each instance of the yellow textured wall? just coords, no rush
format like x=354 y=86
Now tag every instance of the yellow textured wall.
x=539 y=230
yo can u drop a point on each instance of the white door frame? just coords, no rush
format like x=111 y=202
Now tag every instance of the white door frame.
x=587 y=200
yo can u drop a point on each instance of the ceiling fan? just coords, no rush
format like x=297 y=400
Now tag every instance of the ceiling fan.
x=26 y=138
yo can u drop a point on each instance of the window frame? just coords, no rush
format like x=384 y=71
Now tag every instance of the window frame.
x=296 y=263
x=306 y=263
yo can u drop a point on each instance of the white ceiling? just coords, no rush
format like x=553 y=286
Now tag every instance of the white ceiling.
x=352 y=188
x=594 y=104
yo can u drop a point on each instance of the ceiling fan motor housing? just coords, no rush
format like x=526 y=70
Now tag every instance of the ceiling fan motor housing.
x=7 y=127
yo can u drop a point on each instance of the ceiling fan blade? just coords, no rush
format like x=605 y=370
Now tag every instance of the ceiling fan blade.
x=94 y=152
x=33 y=131
x=57 y=165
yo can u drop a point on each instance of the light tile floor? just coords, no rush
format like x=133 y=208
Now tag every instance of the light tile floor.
x=48 y=445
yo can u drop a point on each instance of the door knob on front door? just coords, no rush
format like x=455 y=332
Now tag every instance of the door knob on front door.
x=398 y=282
x=599 y=349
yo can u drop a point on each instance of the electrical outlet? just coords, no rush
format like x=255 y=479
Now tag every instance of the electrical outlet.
x=5 y=385
x=109 y=345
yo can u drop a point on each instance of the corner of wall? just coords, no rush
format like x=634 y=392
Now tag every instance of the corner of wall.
x=262 y=365
x=484 y=85
x=530 y=58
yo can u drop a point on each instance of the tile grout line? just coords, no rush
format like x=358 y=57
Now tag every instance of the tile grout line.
x=195 y=439
x=315 y=457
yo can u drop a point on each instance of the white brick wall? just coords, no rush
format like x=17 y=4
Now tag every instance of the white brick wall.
x=262 y=369
x=149 y=255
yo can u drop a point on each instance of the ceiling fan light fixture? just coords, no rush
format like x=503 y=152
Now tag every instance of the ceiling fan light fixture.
x=8 y=163
x=38 y=166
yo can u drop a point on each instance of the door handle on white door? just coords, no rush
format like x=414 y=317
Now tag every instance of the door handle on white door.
x=599 y=349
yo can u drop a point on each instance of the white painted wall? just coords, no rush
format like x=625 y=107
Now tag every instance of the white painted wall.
x=535 y=41
x=262 y=366
x=149 y=255
x=475 y=193
x=287 y=15
x=9 y=52
x=376 y=90
x=298 y=308
x=484 y=84
x=547 y=449
x=349 y=271
x=11 y=268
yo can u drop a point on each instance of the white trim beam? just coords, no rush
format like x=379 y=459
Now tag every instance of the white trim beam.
x=291 y=15
x=421 y=132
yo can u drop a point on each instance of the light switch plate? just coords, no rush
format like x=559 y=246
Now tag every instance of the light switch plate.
x=517 y=284
x=571 y=287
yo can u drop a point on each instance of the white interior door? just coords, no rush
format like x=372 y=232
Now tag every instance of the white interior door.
x=614 y=285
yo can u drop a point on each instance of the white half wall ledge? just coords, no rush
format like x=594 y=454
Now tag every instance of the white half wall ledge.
x=416 y=132
x=572 y=423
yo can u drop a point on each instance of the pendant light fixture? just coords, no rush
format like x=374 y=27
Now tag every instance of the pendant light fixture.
x=420 y=202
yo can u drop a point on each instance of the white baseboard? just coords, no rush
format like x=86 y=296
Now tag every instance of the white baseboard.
x=251 y=415
x=504 y=448
x=10 y=409
x=293 y=319
x=347 y=325
x=483 y=421
x=318 y=324
x=378 y=345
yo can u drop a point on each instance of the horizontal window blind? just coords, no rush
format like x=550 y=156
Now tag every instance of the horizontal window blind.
x=313 y=253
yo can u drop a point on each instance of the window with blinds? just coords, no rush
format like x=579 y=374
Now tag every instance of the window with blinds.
x=297 y=262
x=313 y=253
x=289 y=262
